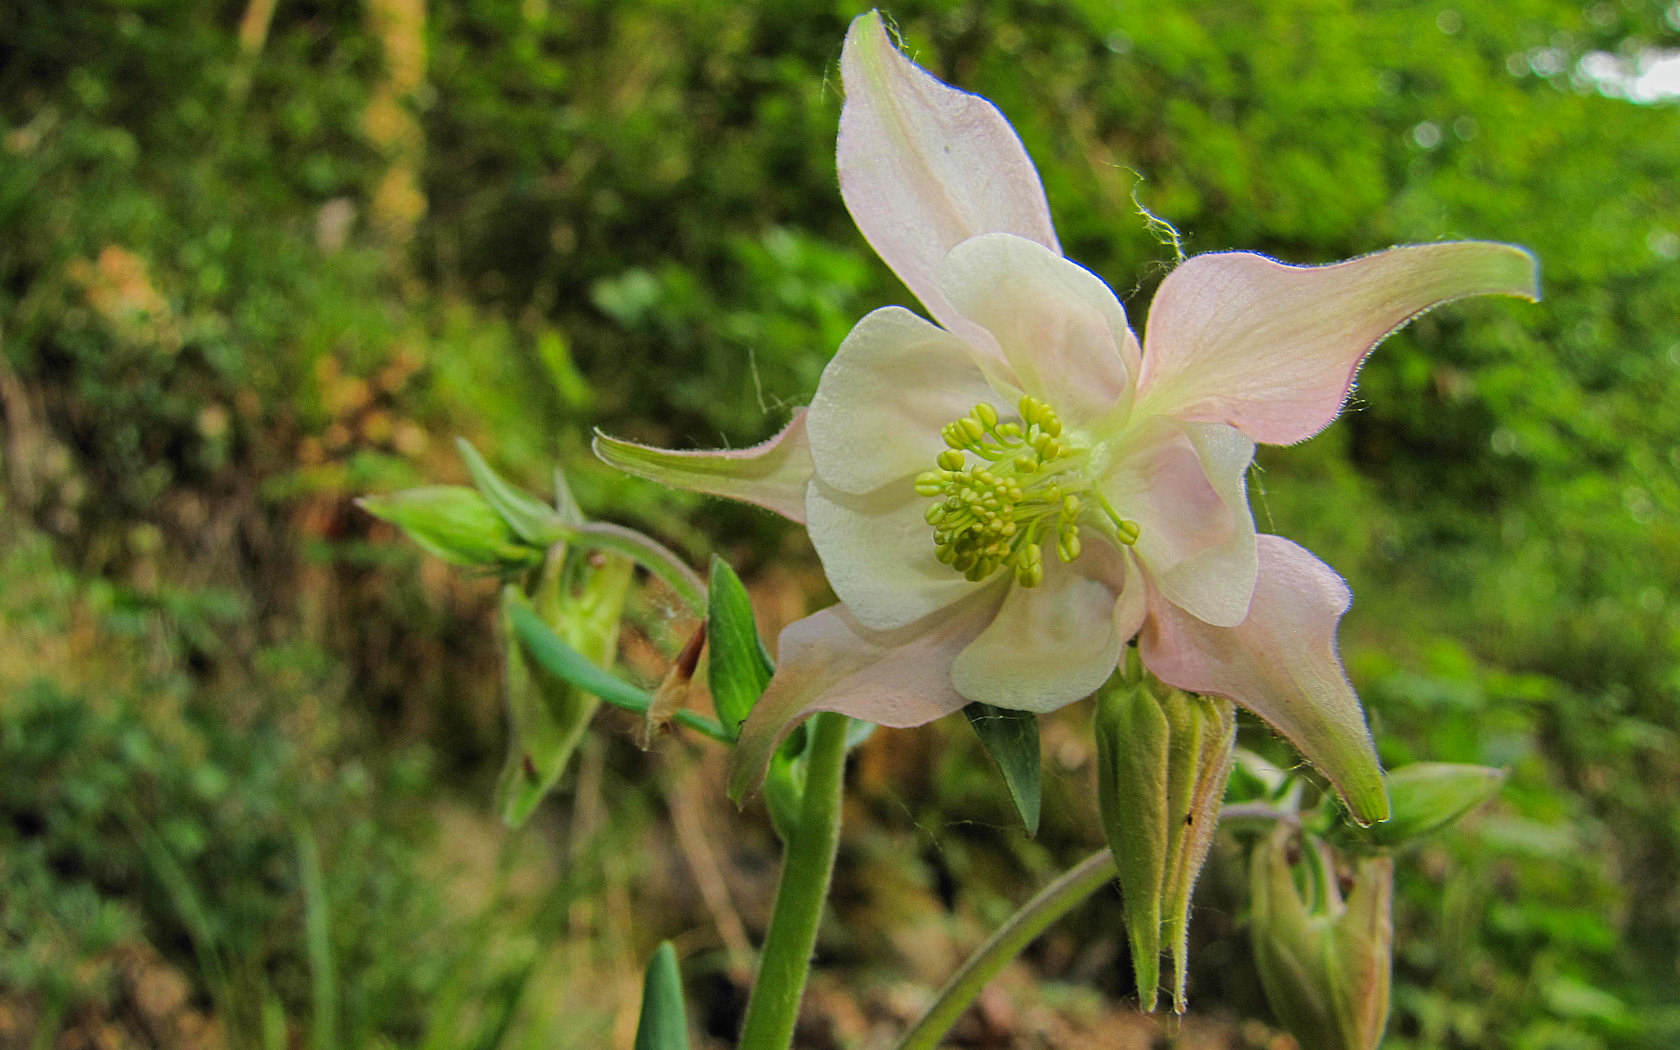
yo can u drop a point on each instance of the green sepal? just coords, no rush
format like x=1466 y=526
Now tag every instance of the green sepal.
x=1163 y=761
x=456 y=524
x=536 y=522
x=1132 y=789
x=1011 y=738
x=664 y=1019
x=1426 y=797
x=548 y=713
x=739 y=667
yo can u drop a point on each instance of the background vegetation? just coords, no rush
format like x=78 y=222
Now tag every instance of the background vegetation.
x=259 y=258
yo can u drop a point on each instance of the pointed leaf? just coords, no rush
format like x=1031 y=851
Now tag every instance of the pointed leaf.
x=1011 y=738
x=664 y=1021
x=740 y=668
x=773 y=475
x=536 y=522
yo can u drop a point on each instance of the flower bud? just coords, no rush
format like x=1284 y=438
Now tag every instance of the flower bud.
x=1426 y=797
x=1324 y=961
x=454 y=523
x=1163 y=758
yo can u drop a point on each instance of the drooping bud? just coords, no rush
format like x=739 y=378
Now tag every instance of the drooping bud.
x=1324 y=961
x=456 y=524
x=1163 y=758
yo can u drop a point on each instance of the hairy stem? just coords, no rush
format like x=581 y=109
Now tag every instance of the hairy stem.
x=807 y=864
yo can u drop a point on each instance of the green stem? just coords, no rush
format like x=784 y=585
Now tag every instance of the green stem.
x=807 y=864
x=1051 y=903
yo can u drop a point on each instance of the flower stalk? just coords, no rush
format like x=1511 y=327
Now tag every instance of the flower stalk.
x=807 y=866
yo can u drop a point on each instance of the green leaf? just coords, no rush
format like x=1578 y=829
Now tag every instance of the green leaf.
x=1011 y=738
x=739 y=668
x=536 y=522
x=664 y=1021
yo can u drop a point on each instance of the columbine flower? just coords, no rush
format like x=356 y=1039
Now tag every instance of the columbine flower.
x=1004 y=498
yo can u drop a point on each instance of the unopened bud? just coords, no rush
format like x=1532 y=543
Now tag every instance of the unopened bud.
x=1163 y=758
x=454 y=523
x=1426 y=797
x=1324 y=961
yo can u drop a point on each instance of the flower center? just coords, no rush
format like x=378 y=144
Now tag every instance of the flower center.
x=1030 y=483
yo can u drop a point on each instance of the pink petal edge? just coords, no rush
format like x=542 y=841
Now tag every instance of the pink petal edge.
x=773 y=474
x=830 y=662
x=1273 y=349
x=1281 y=664
x=924 y=167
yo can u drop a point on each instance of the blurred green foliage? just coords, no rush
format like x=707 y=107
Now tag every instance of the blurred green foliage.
x=211 y=341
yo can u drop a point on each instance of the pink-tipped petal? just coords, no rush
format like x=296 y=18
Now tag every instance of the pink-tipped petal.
x=923 y=166
x=1184 y=484
x=894 y=382
x=1058 y=325
x=1273 y=349
x=830 y=662
x=1280 y=663
x=877 y=551
x=774 y=474
x=1049 y=646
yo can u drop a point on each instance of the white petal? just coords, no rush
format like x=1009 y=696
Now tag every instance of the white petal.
x=1049 y=645
x=1185 y=487
x=923 y=166
x=894 y=382
x=1280 y=663
x=878 y=553
x=773 y=474
x=830 y=662
x=1059 y=326
x=1272 y=349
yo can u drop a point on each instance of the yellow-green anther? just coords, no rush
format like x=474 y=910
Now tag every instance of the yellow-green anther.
x=1027 y=485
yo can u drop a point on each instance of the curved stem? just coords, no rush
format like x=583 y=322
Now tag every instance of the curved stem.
x=1051 y=903
x=807 y=864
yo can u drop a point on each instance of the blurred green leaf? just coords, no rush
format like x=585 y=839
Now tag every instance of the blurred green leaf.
x=664 y=1020
x=454 y=523
x=534 y=521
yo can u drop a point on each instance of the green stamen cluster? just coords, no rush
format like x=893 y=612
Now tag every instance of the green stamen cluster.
x=1026 y=487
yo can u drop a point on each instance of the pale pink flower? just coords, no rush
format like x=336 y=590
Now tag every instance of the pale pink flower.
x=1089 y=490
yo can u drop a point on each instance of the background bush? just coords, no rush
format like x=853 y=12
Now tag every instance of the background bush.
x=255 y=260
